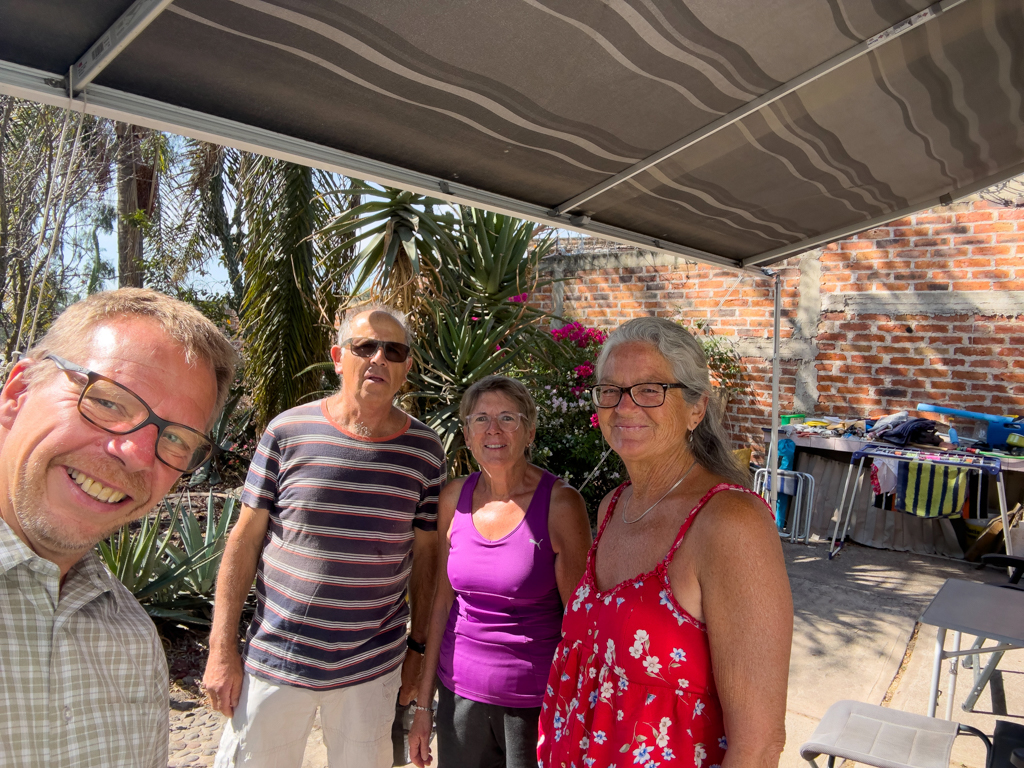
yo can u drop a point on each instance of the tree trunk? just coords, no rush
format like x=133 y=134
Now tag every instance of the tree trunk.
x=129 y=234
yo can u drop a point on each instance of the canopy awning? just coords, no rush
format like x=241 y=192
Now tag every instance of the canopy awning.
x=730 y=132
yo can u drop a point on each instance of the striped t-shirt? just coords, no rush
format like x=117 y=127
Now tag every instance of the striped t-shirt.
x=332 y=580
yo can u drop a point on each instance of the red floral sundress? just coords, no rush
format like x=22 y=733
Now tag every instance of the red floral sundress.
x=631 y=683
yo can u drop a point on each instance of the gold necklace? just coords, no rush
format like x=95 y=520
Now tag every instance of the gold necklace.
x=666 y=493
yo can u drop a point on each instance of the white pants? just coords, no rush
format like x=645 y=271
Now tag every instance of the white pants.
x=272 y=723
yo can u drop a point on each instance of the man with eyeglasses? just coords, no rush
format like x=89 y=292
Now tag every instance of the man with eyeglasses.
x=97 y=422
x=338 y=526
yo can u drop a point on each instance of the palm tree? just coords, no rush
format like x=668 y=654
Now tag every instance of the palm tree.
x=461 y=274
x=292 y=292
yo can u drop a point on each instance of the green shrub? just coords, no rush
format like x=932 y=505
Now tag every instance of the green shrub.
x=569 y=442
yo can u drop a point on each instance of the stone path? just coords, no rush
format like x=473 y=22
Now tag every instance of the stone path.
x=195 y=730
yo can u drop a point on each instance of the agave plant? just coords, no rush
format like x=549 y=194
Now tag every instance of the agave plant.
x=160 y=574
x=404 y=238
x=468 y=342
x=482 y=323
x=203 y=547
x=495 y=261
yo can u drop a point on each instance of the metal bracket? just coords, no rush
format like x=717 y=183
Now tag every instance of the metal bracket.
x=128 y=26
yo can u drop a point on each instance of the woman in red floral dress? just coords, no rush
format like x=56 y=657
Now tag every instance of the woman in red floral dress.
x=675 y=648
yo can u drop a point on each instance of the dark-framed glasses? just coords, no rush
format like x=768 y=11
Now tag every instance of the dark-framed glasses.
x=650 y=394
x=394 y=351
x=116 y=409
x=507 y=421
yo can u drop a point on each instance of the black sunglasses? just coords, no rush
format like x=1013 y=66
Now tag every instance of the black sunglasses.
x=394 y=352
x=116 y=409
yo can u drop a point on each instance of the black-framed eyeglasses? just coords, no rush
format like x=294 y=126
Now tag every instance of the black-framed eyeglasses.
x=394 y=351
x=649 y=394
x=116 y=409
x=508 y=421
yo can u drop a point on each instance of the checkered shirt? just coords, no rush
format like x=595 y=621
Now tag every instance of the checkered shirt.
x=83 y=676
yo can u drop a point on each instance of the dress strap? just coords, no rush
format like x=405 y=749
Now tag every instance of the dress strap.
x=612 y=503
x=697 y=508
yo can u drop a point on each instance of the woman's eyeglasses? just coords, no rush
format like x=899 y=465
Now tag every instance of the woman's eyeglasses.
x=394 y=352
x=647 y=395
x=507 y=421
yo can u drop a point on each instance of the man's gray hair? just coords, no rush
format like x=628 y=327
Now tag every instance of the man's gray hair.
x=685 y=356
x=345 y=329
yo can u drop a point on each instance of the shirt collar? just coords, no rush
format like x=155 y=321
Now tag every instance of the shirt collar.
x=13 y=551
x=87 y=572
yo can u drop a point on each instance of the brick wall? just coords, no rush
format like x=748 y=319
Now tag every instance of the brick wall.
x=929 y=308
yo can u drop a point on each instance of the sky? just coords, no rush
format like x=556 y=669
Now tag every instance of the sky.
x=216 y=280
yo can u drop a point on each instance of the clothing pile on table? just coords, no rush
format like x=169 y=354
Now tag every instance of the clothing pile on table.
x=919 y=431
x=897 y=429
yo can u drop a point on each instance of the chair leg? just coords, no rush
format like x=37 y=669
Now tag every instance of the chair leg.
x=953 y=668
x=933 y=697
x=842 y=511
x=1007 y=543
x=988 y=742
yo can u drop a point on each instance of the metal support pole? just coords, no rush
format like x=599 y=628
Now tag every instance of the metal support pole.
x=940 y=640
x=954 y=664
x=773 y=462
x=982 y=677
x=1002 y=512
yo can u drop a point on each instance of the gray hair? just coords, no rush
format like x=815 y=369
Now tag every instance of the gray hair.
x=345 y=329
x=684 y=354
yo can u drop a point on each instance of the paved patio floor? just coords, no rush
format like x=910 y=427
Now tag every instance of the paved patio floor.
x=855 y=619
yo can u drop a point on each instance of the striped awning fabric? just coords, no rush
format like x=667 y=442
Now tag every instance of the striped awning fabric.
x=731 y=131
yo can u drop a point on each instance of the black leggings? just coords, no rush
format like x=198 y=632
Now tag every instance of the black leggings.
x=475 y=735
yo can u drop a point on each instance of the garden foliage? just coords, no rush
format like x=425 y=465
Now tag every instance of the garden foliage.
x=169 y=562
x=569 y=442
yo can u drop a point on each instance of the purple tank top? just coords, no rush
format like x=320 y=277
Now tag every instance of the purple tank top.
x=507 y=616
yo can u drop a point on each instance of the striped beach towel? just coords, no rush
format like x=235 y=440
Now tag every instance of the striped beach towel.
x=930 y=490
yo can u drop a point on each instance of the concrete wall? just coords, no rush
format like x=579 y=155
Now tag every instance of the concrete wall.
x=929 y=308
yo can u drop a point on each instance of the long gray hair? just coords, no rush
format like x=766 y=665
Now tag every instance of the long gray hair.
x=709 y=444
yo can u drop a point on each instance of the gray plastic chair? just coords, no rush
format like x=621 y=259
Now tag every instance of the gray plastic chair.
x=883 y=737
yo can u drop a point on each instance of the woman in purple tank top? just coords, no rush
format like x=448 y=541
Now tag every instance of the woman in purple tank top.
x=513 y=546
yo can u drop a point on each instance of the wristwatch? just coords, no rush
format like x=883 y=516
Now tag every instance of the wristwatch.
x=420 y=648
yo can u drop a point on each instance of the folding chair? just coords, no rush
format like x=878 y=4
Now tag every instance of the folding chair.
x=800 y=487
x=886 y=738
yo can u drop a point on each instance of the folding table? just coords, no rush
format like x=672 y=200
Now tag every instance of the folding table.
x=973 y=462
x=988 y=611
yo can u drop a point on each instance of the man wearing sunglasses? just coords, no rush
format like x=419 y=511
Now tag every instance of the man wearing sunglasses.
x=97 y=422
x=338 y=526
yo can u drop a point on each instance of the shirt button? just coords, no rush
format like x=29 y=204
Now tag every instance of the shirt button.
x=67 y=714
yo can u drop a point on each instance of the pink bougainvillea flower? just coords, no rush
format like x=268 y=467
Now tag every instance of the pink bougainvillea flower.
x=593 y=421
x=520 y=299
